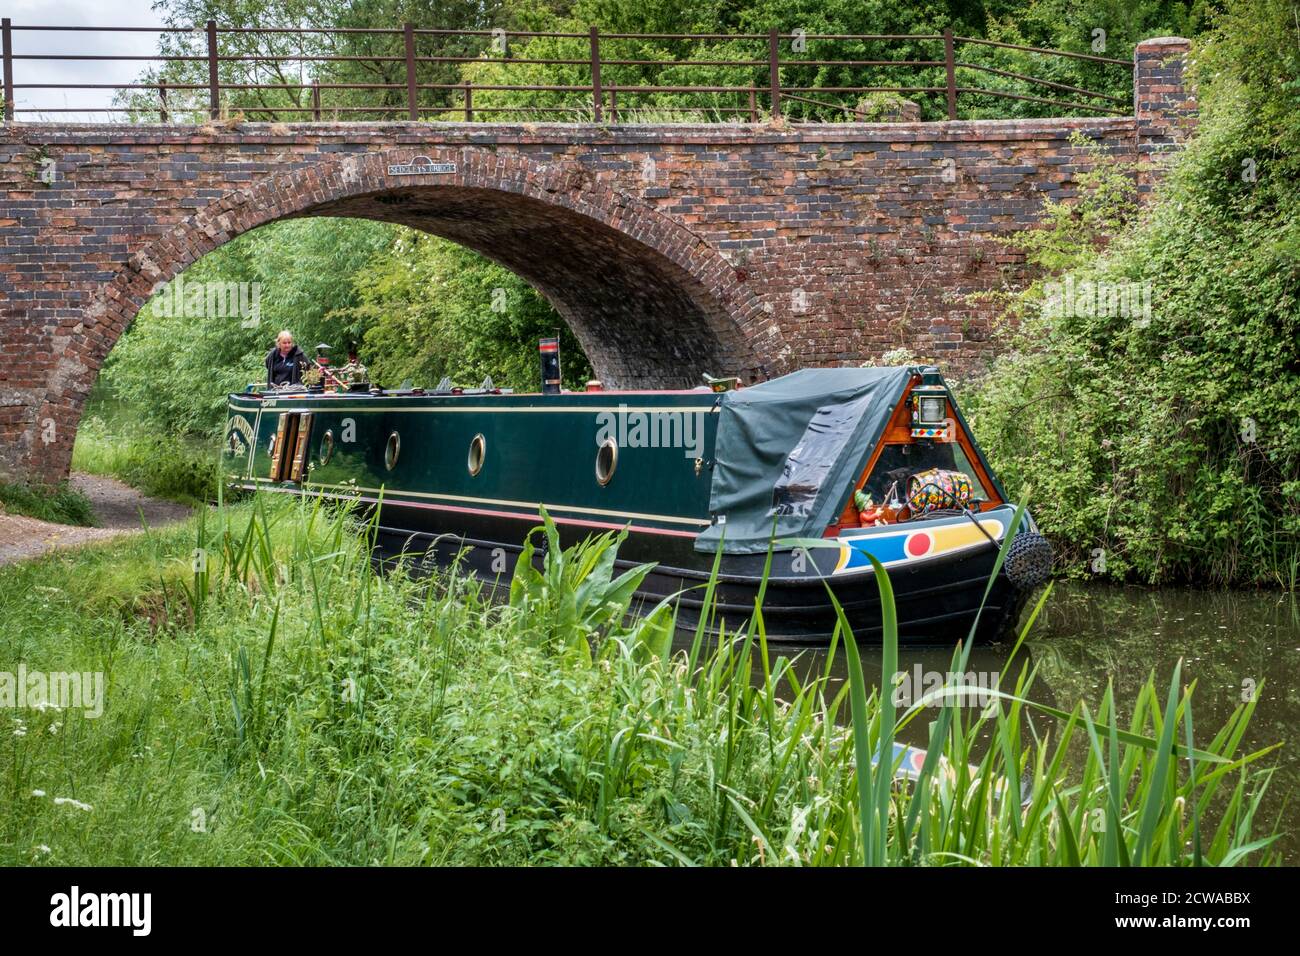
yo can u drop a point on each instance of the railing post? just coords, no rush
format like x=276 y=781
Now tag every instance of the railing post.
x=412 y=109
x=753 y=107
x=596 y=95
x=162 y=101
x=950 y=66
x=214 y=86
x=8 y=69
x=315 y=100
x=469 y=102
x=774 y=71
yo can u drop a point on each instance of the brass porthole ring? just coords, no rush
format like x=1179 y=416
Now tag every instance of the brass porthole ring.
x=477 y=452
x=606 y=461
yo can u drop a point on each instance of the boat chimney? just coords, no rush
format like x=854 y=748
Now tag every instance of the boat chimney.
x=549 y=350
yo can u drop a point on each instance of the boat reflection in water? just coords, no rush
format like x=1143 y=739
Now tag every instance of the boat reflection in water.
x=821 y=467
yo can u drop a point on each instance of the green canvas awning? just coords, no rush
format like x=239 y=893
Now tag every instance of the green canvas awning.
x=788 y=450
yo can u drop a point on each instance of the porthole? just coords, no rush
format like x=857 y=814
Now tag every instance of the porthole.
x=326 y=447
x=477 y=451
x=606 y=461
x=270 y=446
x=392 y=450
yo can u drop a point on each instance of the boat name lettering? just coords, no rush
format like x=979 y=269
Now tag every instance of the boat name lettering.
x=240 y=424
x=240 y=435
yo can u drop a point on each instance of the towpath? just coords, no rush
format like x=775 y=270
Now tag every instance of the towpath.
x=117 y=506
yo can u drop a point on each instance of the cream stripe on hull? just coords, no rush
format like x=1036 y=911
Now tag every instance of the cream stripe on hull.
x=502 y=502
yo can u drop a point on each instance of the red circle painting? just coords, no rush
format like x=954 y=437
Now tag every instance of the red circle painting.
x=919 y=544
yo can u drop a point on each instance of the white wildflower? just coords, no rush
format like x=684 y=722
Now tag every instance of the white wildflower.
x=58 y=801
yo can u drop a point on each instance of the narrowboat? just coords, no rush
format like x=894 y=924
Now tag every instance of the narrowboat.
x=812 y=472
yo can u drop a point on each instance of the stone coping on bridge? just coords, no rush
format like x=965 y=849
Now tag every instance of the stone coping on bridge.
x=473 y=134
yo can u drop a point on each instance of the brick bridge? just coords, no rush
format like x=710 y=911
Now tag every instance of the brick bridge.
x=670 y=250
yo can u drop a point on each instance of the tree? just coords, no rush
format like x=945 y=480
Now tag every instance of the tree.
x=433 y=308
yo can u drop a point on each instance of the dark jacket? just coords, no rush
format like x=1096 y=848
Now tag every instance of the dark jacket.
x=287 y=370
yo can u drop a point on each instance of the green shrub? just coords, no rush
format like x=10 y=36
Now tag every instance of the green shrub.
x=1164 y=445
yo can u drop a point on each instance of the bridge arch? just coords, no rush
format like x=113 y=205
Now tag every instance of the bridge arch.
x=846 y=241
x=653 y=304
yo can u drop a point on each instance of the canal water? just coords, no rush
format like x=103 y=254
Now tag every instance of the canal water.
x=1232 y=644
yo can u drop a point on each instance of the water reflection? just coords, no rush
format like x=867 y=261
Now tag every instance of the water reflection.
x=1232 y=644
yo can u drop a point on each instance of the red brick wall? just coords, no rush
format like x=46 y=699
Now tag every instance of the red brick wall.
x=671 y=250
x=1164 y=106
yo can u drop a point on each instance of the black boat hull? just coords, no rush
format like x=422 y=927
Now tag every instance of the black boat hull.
x=938 y=602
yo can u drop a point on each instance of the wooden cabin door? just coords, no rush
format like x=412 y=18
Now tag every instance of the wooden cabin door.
x=289 y=457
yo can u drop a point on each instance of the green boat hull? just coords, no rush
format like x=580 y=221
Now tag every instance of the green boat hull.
x=465 y=477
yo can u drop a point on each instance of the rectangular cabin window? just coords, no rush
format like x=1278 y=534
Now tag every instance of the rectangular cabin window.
x=899 y=462
x=819 y=448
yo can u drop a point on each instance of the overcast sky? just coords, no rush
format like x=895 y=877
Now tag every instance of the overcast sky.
x=98 y=13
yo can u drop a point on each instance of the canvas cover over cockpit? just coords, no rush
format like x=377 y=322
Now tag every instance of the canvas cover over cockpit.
x=789 y=450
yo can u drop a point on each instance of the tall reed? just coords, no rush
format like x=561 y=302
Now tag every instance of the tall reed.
x=263 y=673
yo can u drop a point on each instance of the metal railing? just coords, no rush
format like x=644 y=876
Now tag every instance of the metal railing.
x=400 y=89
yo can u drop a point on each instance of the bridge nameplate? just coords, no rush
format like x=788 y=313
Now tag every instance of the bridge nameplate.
x=419 y=166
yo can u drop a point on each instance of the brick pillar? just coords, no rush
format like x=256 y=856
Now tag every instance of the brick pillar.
x=35 y=435
x=1164 y=105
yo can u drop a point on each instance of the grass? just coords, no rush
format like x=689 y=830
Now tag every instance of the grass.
x=272 y=700
x=59 y=503
x=174 y=468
